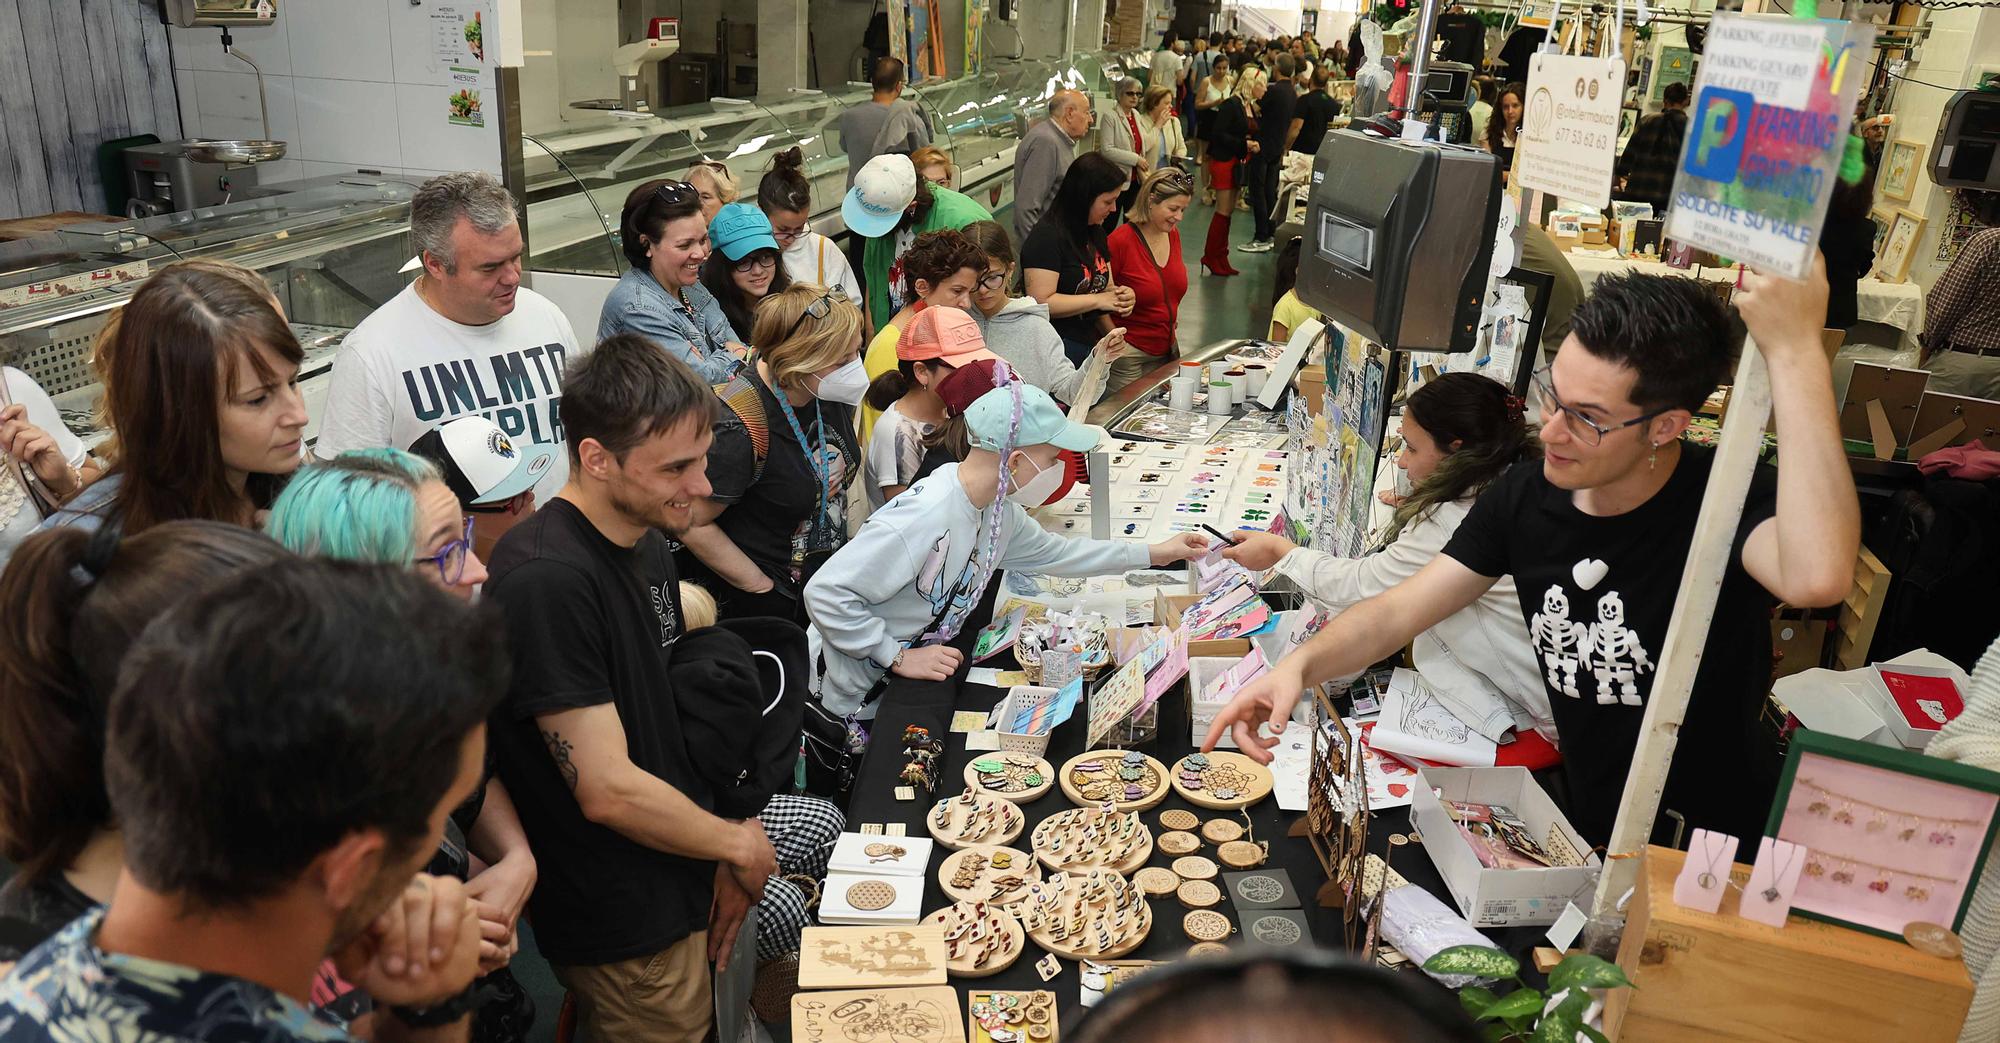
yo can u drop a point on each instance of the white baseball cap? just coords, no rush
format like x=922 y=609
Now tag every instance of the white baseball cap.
x=881 y=192
x=481 y=464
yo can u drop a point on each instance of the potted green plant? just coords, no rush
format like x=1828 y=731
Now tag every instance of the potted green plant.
x=1528 y=1015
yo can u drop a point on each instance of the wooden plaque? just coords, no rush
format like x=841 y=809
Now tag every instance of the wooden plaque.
x=839 y=957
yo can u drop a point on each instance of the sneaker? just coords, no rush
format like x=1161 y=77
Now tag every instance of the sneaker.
x=1256 y=246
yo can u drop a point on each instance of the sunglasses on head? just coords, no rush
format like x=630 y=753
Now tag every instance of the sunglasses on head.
x=676 y=193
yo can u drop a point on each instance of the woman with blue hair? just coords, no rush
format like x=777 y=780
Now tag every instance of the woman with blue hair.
x=383 y=506
x=390 y=507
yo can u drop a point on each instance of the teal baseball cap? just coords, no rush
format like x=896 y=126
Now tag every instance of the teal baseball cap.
x=1042 y=422
x=740 y=229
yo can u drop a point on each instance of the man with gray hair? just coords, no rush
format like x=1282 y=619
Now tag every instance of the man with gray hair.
x=464 y=337
x=1044 y=156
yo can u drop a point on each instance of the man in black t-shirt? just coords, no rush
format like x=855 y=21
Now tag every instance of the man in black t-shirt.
x=1315 y=114
x=1597 y=534
x=641 y=886
x=1274 y=127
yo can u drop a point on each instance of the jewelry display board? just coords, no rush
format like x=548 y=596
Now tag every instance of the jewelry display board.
x=1336 y=818
x=1221 y=781
x=980 y=940
x=988 y=873
x=1084 y=838
x=1087 y=916
x=845 y=957
x=971 y=818
x=1126 y=779
x=1018 y=777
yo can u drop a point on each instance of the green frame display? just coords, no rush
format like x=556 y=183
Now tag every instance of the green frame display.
x=1902 y=762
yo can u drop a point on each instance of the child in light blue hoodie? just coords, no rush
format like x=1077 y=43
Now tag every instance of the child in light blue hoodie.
x=889 y=600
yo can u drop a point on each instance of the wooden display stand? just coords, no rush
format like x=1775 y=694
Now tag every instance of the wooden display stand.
x=1708 y=977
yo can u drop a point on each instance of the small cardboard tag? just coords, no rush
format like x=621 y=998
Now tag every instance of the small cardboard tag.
x=1048 y=967
x=906 y=793
x=871 y=829
x=968 y=721
x=982 y=740
x=1563 y=932
x=897 y=829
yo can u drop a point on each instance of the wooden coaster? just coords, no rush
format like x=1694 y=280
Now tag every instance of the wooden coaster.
x=1194 y=867
x=1198 y=894
x=1156 y=882
x=1207 y=949
x=988 y=873
x=1221 y=781
x=1180 y=819
x=1010 y=776
x=1087 y=916
x=1178 y=843
x=870 y=895
x=1015 y=1016
x=973 y=818
x=1221 y=831
x=1206 y=925
x=1127 y=780
x=1241 y=854
x=980 y=939
x=1082 y=838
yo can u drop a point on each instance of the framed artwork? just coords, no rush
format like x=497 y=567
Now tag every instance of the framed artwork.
x=1899 y=247
x=1902 y=164
x=1882 y=219
x=1889 y=837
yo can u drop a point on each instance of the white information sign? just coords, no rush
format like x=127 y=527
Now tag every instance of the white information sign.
x=1569 y=133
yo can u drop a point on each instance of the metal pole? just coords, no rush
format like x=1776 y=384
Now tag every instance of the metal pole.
x=1420 y=60
x=1069 y=31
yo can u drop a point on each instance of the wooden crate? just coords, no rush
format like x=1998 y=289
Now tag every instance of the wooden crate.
x=1860 y=612
x=1711 y=977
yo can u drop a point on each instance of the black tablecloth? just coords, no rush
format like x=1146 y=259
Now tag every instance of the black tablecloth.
x=930 y=704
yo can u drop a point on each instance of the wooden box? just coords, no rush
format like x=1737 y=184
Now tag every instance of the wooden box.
x=1710 y=977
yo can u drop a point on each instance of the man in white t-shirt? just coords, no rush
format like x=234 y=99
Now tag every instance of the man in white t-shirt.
x=1169 y=63
x=465 y=337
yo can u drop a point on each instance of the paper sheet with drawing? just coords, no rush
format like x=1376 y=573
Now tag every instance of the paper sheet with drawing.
x=1415 y=724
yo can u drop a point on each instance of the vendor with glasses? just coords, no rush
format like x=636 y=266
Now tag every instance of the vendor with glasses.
x=745 y=268
x=665 y=238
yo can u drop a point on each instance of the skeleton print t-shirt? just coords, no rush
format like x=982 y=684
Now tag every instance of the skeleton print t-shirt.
x=1597 y=595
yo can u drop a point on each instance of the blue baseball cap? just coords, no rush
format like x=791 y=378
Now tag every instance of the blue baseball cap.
x=740 y=229
x=883 y=189
x=1042 y=422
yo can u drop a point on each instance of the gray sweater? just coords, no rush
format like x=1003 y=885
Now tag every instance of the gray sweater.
x=1021 y=334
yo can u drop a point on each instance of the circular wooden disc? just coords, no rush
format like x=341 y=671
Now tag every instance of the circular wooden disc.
x=1207 y=949
x=982 y=890
x=1178 y=843
x=870 y=895
x=1083 y=947
x=1016 y=768
x=1080 y=861
x=1194 y=867
x=1003 y=821
x=1934 y=940
x=1156 y=882
x=1198 y=894
x=1256 y=781
x=1240 y=854
x=1221 y=831
x=1180 y=819
x=1149 y=796
x=1206 y=925
x=1013 y=940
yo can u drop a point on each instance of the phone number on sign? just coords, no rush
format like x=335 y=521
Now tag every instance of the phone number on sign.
x=1582 y=138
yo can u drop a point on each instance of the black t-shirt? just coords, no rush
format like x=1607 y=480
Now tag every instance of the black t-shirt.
x=1315 y=114
x=770 y=516
x=1597 y=595
x=1274 y=118
x=590 y=623
x=1084 y=271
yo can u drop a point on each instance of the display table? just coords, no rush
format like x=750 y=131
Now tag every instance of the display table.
x=930 y=704
x=1900 y=305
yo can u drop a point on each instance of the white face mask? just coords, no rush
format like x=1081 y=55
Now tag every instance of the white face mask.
x=845 y=385
x=1036 y=491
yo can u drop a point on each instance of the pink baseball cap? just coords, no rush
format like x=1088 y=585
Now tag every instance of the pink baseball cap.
x=945 y=335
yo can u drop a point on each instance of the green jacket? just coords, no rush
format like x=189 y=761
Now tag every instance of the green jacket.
x=949 y=209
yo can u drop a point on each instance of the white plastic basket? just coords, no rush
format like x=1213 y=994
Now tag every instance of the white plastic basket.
x=1019 y=698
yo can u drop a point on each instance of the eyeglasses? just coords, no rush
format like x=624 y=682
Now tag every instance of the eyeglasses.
x=450 y=561
x=757 y=261
x=818 y=309
x=993 y=280
x=1586 y=430
x=788 y=235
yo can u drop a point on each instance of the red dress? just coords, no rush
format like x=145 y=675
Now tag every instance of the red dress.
x=1157 y=289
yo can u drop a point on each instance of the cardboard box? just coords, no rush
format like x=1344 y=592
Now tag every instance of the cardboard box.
x=1922 y=698
x=1202 y=672
x=1312 y=384
x=1856 y=704
x=1167 y=610
x=1498 y=897
x=1714 y=977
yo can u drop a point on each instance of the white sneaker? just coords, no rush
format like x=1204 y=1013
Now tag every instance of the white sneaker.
x=1256 y=246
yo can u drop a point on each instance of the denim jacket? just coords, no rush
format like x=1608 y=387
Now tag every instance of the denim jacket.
x=639 y=304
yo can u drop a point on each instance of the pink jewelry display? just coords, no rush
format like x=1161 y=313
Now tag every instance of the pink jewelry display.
x=1705 y=875
x=1767 y=898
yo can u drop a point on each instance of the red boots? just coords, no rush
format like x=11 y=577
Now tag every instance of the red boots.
x=1215 y=253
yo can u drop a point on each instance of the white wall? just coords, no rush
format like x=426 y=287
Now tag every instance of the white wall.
x=1960 y=41
x=351 y=84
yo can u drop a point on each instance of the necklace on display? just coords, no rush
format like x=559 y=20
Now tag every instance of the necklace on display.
x=1706 y=881
x=1771 y=893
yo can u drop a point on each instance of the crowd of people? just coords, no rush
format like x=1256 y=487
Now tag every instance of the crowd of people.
x=542 y=628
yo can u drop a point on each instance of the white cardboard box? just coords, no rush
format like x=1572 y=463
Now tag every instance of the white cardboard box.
x=1914 y=732
x=1853 y=704
x=850 y=855
x=1498 y=897
x=906 y=908
x=1202 y=672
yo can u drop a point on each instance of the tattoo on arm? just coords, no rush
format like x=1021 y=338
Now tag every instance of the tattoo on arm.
x=559 y=749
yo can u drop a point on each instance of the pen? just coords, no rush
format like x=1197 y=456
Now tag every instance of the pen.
x=1218 y=535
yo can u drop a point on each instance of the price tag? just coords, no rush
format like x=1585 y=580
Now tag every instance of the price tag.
x=871 y=829
x=1562 y=934
x=898 y=829
x=906 y=793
